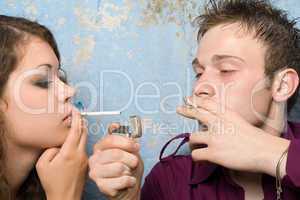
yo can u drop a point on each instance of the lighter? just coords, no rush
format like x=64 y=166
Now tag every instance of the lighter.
x=133 y=130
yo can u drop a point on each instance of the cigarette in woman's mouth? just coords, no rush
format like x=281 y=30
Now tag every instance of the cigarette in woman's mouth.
x=104 y=113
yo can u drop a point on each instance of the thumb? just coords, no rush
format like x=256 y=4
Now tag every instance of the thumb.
x=200 y=154
x=112 y=127
x=47 y=156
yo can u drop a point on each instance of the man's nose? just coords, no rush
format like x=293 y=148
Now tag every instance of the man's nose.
x=205 y=89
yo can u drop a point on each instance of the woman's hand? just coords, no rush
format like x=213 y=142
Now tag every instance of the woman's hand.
x=232 y=141
x=62 y=171
x=116 y=167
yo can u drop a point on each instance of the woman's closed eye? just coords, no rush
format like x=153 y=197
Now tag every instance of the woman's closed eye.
x=43 y=83
x=198 y=75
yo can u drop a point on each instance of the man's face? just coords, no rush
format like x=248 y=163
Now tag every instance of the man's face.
x=229 y=67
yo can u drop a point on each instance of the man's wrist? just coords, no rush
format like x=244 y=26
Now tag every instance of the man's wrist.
x=272 y=155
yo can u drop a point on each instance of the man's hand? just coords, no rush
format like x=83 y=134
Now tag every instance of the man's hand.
x=116 y=166
x=232 y=141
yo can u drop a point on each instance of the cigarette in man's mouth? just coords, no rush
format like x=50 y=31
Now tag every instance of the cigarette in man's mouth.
x=104 y=113
x=188 y=103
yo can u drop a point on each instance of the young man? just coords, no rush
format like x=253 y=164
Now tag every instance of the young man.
x=247 y=68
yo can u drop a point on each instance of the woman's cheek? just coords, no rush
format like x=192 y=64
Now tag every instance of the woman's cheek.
x=41 y=132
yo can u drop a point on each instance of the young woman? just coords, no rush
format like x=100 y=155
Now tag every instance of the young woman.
x=42 y=137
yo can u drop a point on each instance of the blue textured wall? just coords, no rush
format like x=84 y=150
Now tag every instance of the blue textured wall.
x=129 y=55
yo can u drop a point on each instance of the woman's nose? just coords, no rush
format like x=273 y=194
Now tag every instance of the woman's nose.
x=65 y=92
x=69 y=93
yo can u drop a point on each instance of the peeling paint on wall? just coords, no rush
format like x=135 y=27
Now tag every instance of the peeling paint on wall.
x=61 y=21
x=31 y=9
x=108 y=16
x=11 y=3
x=178 y=12
x=85 y=48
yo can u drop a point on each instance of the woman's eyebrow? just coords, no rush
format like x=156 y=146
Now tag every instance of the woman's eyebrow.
x=45 y=65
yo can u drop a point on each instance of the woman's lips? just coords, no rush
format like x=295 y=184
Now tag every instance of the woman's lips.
x=68 y=115
x=68 y=120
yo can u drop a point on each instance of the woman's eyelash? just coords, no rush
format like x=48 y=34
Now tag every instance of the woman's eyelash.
x=43 y=83
x=62 y=76
x=198 y=75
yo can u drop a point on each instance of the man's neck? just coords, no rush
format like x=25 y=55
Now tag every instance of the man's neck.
x=275 y=124
x=245 y=177
x=276 y=121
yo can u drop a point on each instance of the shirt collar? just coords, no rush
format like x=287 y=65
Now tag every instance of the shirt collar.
x=201 y=171
x=293 y=128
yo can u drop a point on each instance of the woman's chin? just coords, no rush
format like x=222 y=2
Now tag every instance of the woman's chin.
x=58 y=142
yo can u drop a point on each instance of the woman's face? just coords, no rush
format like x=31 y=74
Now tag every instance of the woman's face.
x=37 y=99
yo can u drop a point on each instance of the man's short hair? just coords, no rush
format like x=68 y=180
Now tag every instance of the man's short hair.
x=269 y=25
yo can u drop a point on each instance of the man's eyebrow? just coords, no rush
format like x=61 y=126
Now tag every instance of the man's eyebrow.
x=217 y=58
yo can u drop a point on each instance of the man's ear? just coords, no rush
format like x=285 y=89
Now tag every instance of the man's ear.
x=285 y=84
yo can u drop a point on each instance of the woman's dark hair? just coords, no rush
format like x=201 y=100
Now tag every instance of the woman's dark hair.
x=15 y=33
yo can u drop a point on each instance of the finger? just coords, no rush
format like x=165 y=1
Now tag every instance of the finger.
x=215 y=107
x=84 y=136
x=210 y=112
x=111 y=186
x=199 y=138
x=111 y=170
x=48 y=155
x=201 y=154
x=115 y=155
x=113 y=127
x=208 y=104
x=74 y=135
x=199 y=114
x=117 y=141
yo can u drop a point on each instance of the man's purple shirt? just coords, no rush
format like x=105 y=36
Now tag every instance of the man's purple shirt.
x=177 y=177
